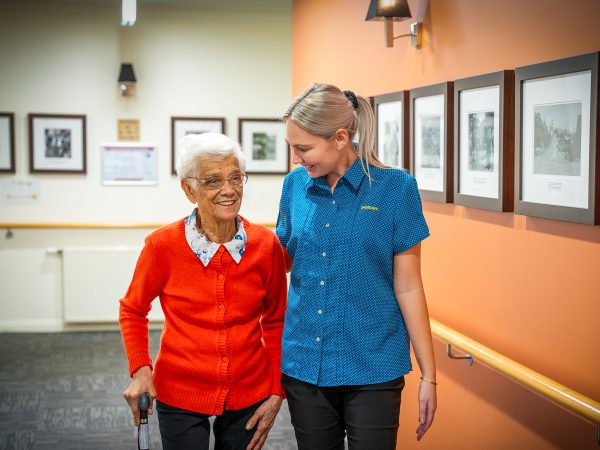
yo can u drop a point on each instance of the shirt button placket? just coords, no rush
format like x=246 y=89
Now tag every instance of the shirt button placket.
x=222 y=336
x=325 y=263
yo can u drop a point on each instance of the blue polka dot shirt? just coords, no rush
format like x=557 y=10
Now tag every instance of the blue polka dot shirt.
x=343 y=325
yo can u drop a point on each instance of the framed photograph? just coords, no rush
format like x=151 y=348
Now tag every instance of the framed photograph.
x=391 y=129
x=431 y=141
x=263 y=143
x=57 y=143
x=182 y=126
x=484 y=141
x=7 y=142
x=556 y=154
x=128 y=164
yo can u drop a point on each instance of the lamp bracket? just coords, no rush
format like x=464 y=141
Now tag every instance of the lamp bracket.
x=415 y=33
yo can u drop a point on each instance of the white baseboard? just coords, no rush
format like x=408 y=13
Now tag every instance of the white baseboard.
x=30 y=326
x=53 y=326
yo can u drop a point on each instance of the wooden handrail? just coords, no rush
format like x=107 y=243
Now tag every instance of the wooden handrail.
x=564 y=396
x=80 y=225
x=15 y=226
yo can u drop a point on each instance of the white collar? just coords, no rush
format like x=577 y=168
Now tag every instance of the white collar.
x=205 y=249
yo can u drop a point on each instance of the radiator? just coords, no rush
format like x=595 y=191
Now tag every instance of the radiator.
x=94 y=279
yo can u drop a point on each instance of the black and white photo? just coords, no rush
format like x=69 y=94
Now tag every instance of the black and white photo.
x=58 y=142
x=557 y=139
x=391 y=116
x=430 y=138
x=481 y=141
x=391 y=143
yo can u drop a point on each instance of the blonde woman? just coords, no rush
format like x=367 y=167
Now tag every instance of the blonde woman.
x=351 y=229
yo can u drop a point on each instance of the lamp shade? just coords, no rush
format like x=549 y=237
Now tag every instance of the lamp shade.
x=126 y=73
x=394 y=9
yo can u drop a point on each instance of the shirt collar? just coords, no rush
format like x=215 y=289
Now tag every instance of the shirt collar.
x=354 y=176
x=205 y=249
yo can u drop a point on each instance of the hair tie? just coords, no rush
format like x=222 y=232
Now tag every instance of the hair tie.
x=352 y=98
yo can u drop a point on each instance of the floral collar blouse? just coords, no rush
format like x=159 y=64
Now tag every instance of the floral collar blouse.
x=205 y=249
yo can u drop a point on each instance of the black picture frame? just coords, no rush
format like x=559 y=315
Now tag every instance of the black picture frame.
x=542 y=76
x=445 y=195
x=251 y=129
x=212 y=124
x=380 y=101
x=7 y=145
x=505 y=143
x=57 y=143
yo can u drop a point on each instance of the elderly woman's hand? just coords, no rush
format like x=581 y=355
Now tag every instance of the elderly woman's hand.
x=142 y=383
x=265 y=417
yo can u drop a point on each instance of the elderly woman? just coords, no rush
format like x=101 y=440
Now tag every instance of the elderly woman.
x=222 y=287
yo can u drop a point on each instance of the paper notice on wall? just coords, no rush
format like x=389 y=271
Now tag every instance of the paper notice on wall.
x=20 y=191
x=129 y=164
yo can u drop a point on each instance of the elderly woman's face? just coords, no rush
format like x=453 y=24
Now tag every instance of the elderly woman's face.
x=221 y=204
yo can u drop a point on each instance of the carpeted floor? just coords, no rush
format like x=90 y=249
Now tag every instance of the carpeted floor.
x=64 y=391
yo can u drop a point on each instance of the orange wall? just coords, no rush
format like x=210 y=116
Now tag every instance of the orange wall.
x=526 y=287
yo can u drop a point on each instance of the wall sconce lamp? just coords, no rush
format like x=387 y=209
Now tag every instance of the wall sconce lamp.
x=390 y=11
x=126 y=79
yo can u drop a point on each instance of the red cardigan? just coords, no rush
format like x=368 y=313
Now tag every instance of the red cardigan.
x=221 y=343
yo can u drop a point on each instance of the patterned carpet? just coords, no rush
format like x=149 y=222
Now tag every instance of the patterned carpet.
x=64 y=391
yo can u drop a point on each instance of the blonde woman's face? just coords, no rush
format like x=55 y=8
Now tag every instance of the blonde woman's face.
x=317 y=155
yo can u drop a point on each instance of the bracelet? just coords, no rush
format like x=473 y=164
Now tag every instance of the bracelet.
x=429 y=381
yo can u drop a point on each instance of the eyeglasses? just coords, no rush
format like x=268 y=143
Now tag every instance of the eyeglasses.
x=213 y=183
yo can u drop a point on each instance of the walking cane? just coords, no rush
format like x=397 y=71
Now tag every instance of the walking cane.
x=143 y=434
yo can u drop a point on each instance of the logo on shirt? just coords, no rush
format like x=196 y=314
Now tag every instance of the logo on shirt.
x=369 y=207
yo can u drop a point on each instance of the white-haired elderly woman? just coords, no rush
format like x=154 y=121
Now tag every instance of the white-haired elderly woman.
x=222 y=287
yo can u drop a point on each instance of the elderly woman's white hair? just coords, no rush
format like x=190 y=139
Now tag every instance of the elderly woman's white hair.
x=196 y=148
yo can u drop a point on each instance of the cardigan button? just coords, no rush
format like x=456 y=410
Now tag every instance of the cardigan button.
x=225 y=359
x=221 y=276
x=221 y=306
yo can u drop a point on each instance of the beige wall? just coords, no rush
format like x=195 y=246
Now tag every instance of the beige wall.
x=526 y=287
x=64 y=57
x=228 y=58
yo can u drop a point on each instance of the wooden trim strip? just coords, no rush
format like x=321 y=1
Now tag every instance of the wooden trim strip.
x=556 y=392
x=93 y=225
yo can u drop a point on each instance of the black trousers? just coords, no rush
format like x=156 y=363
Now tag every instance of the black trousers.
x=187 y=430
x=322 y=416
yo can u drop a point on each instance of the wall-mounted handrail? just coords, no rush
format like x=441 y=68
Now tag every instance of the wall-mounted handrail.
x=14 y=226
x=467 y=358
x=564 y=396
